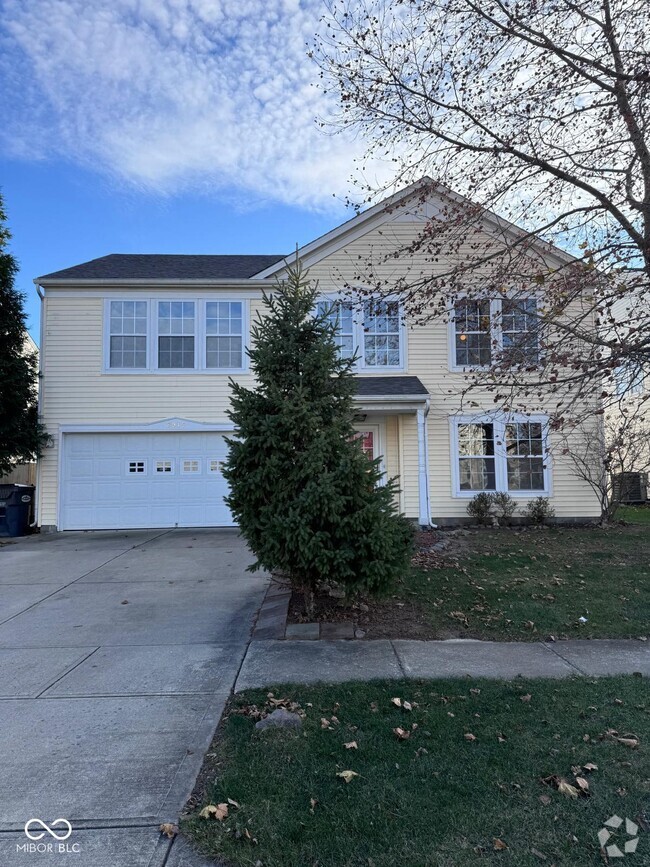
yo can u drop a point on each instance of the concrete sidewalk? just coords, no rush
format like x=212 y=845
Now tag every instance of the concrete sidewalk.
x=274 y=662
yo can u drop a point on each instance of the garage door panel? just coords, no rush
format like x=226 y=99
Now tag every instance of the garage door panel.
x=99 y=492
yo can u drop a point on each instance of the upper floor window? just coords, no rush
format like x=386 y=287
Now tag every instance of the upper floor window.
x=381 y=334
x=128 y=334
x=629 y=380
x=176 y=334
x=341 y=315
x=374 y=333
x=486 y=330
x=224 y=341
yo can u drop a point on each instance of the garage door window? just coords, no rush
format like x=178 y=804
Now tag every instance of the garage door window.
x=164 y=466
x=176 y=335
x=191 y=466
x=137 y=467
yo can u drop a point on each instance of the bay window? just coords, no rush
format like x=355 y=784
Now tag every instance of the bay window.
x=493 y=454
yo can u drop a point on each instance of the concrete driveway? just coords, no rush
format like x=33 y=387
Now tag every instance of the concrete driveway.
x=117 y=653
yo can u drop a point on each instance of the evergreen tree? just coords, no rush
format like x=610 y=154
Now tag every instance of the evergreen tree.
x=21 y=436
x=306 y=497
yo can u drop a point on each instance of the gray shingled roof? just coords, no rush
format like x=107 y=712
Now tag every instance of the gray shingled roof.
x=138 y=266
x=378 y=386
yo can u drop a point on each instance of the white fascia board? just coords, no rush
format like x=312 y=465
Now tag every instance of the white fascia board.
x=388 y=398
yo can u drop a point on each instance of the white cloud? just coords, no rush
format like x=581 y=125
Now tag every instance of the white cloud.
x=174 y=94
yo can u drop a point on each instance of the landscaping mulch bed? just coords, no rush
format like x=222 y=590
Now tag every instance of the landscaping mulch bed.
x=391 y=616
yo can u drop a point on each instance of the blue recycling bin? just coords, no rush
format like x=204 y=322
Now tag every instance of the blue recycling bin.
x=15 y=509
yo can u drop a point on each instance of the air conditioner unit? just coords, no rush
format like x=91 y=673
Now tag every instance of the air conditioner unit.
x=630 y=487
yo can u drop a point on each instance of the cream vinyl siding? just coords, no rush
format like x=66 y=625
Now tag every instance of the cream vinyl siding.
x=75 y=391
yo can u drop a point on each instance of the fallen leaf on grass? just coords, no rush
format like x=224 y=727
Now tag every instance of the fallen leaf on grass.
x=348 y=776
x=582 y=784
x=590 y=766
x=351 y=745
x=233 y=803
x=501 y=738
x=538 y=854
x=499 y=845
x=312 y=804
x=169 y=830
x=218 y=811
x=401 y=734
x=545 y=799
x=567 y=789
x=526 y=697
x=469 y=736
x=396 y=701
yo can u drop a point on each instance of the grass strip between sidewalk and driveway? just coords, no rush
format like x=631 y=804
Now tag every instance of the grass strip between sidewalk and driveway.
x=475 y=772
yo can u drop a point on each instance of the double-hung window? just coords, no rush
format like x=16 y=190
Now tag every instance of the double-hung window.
x=224 y=340
x=341 y=315
x=381 y=334
x=176 y=334
x=489 y=331
x=207 y=335
x=374 y=332
x=500 y=455
x=629 y=380
x=127 y=339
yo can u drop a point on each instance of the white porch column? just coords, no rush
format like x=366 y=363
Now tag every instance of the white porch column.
x=423 y=480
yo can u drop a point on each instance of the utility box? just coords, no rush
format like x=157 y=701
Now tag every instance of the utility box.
x=15 y=509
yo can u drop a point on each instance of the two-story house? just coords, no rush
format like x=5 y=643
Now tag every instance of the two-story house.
x=136 y=354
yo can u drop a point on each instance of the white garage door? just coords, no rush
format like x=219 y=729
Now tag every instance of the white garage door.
x=114 y=481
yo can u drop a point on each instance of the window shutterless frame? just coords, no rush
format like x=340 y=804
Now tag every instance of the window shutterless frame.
x=200 y=335
x=503 y=324
x=501 y=454
x=378 y=341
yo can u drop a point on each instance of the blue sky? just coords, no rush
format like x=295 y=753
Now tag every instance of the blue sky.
x=164 y=126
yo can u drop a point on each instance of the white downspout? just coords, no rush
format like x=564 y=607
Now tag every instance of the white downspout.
x=424 y=510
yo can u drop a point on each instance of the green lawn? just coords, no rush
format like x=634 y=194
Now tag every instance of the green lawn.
x=436 y=798
x=634 y=514
x=503 y=584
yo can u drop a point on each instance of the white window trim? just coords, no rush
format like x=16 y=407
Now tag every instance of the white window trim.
x=196 y=472
x=358 y=332
x=378 y=428
x=500 y=457
x=496 y=342
x=199 y=338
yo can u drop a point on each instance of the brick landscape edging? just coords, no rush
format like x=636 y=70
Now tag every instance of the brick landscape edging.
x=271 y=621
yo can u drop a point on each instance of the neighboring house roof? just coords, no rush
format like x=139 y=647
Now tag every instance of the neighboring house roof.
x=389 y=386
x=140 y=266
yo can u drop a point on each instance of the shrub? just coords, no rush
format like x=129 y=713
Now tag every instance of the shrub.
x=539 y=509
x=307 y=499
x=504 y=505
x=480 y=507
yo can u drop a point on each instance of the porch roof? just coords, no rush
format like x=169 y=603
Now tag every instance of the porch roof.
x=387 y=387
